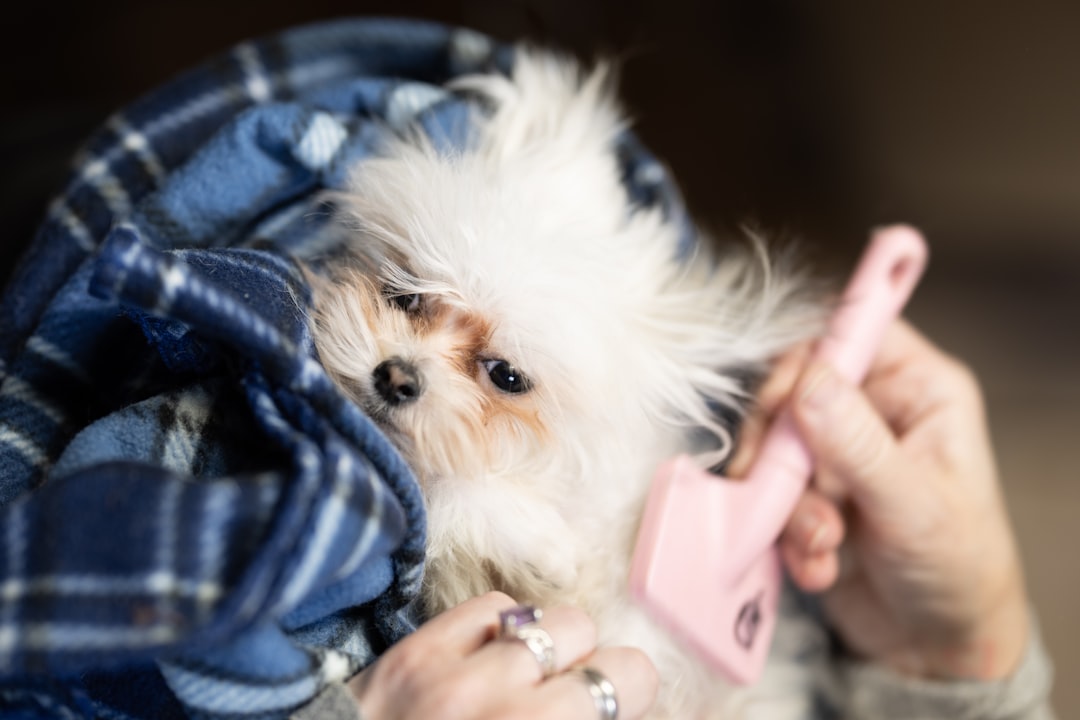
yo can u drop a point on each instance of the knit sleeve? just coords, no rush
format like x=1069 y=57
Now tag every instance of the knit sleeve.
x=870 y=691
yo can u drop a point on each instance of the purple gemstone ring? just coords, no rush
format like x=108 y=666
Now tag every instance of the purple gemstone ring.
x=521 y=624
x=518 y=617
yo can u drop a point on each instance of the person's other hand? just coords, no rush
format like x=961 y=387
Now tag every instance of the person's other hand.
x=903 y=528
x=455 y=668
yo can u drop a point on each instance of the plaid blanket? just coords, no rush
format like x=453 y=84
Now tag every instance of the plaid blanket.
x=193 y=520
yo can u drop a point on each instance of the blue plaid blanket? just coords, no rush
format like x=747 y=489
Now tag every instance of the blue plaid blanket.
x=193 y=520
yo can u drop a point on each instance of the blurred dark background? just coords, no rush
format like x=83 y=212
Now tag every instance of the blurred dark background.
x=819 y=120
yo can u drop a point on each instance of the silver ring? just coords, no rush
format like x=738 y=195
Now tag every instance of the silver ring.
x=602 y=691
x=520 y=624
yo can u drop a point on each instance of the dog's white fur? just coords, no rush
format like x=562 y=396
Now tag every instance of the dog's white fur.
x=524 y=247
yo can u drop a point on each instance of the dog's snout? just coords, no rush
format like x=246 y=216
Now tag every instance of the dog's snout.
x=397 y=381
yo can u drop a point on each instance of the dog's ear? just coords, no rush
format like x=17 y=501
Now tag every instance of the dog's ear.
x=551 y=103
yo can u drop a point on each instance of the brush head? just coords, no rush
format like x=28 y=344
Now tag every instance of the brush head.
x=682 y=574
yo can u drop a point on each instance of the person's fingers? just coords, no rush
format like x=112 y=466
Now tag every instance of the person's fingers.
x=785 y=373
x=630 y=672
x=810 y=542
x=768 y=401
x=911 y=379
x=428 y=667
x=812 y=573
x=388 y=688
x=815 y=525
x=852 y=446
x=750 y=434
x=573 y=636
x=468 y=626
x=900 y=346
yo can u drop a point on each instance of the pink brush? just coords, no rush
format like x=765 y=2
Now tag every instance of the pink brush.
x=706 y=564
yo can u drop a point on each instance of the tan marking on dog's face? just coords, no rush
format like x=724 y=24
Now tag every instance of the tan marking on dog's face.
x=519 y=414
x=468 y=334
x=470 y=345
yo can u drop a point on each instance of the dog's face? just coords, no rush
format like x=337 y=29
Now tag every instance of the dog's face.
x=501 y=310
x=443 y=377
x=497 y=340
x=532 y=342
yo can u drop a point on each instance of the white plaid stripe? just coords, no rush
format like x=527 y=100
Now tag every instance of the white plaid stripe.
x=16 y=569
x=57 y=356
x=28 y=448
x=167 y=515
x=61 y=213
x=409 y=100
x=182 y=439
x=97 y=174
x=326 y=529
x=13 y=589
x=173 y=279
x=363 y=546
x=141 y=142
x=255 y=82
x=217 y=510
x=15 y=387
x=469 y=47
x=134 y=141
x=80 y=636
x=321 y=141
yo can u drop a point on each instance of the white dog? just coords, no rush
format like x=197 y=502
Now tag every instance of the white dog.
x=536 y=346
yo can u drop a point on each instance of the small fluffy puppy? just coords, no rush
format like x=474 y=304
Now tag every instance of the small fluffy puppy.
x=536 y=346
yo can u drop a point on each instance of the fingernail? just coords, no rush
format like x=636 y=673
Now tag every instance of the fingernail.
x=811 y=527
x=817 y=540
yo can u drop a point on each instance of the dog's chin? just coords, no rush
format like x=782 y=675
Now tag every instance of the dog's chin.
x=385 y=420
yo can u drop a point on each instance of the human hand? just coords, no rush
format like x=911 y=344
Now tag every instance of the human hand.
x=454 y=668
x=903 y=527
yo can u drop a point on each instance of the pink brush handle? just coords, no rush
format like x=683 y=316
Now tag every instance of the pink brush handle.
x=882 y=283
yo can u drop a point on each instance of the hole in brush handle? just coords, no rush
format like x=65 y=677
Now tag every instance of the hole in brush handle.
x=880 y=286
x=907 y=268
x=904 y=273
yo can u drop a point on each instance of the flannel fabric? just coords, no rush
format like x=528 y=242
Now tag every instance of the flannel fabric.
x=193 y=520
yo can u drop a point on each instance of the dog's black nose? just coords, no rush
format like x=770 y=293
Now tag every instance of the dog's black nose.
x=397 y=381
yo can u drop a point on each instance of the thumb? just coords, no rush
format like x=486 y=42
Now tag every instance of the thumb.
x=854 y=450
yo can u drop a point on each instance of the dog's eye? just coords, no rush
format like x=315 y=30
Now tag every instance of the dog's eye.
x=408 y=303
x=506 y=377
